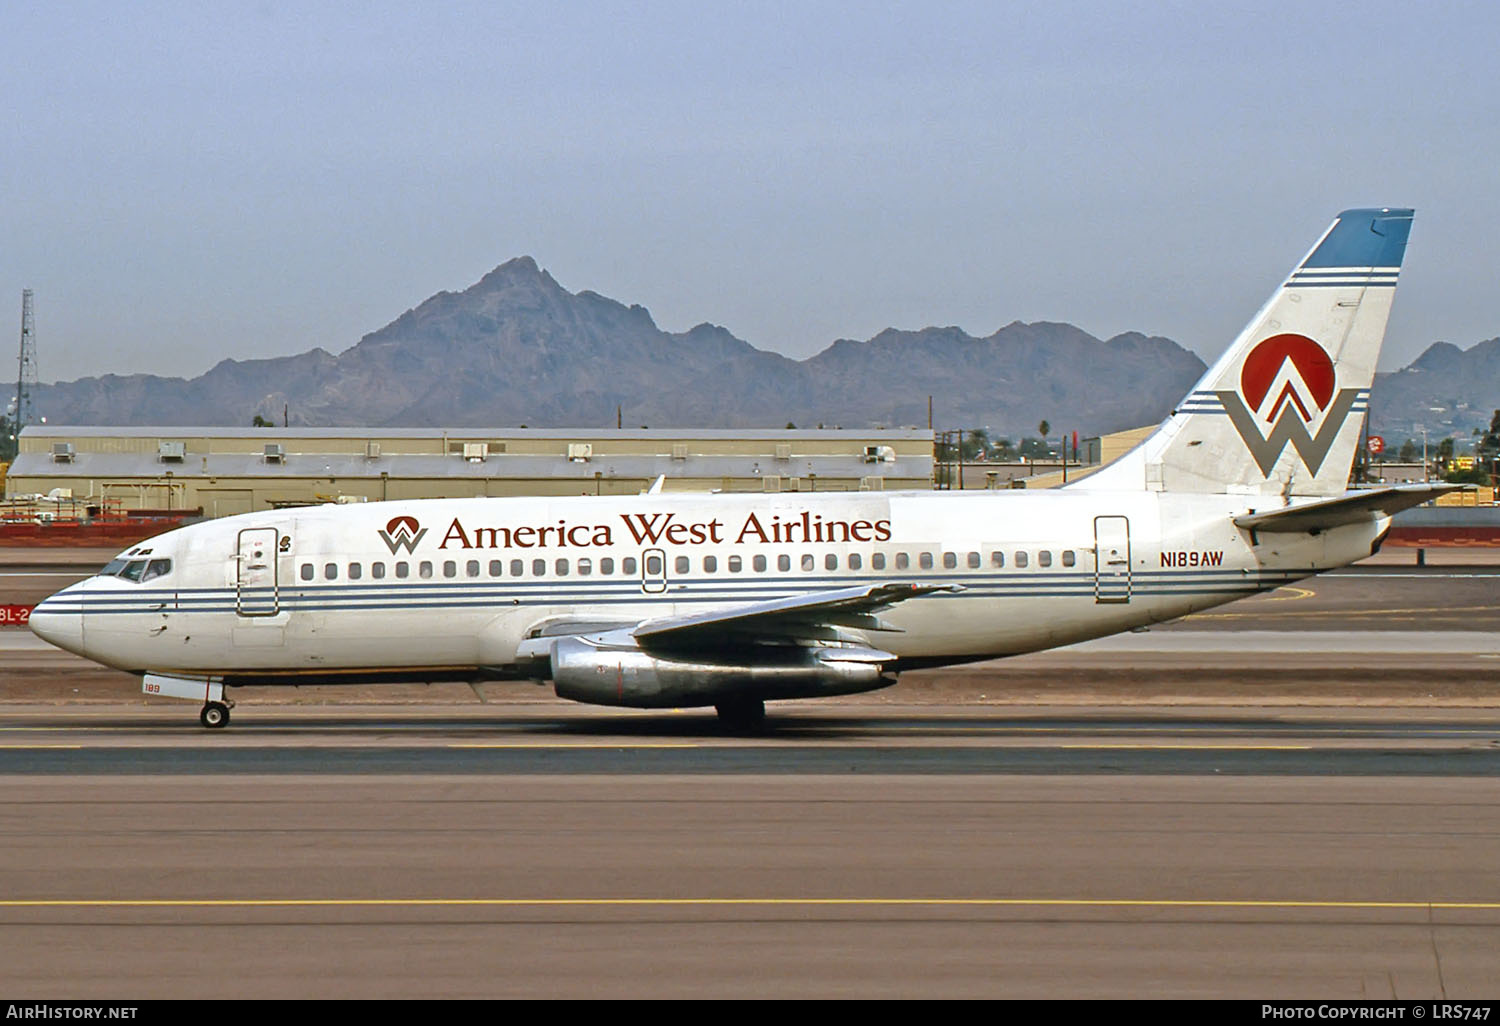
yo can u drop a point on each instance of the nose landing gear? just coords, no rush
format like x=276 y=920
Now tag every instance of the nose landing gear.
x=210 y=691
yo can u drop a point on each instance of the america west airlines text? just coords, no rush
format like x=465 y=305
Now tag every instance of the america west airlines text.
x=666 y=528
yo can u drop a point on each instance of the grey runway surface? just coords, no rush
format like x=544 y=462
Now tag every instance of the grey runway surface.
x=1293 y=796
x=873 y=885
x=858 y=851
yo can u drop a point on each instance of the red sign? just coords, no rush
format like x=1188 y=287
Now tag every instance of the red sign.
x=15 y=616
x=1376 y=444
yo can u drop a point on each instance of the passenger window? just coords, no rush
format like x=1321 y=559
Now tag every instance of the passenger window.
x=683 y=564
x=356 y=571
x=736 y=564
x=606 y=565
x=424 y=569
x=471 y=568
x=950 y=561
x=809 y=561
x=1044 y=558
x=307 y=571
x=997 y=559
x=974 y=561
x=924 y=560
x=902 y=561
x=585 y=567
x=377 y=570
x=156 y=568
x=830 y=562
x=517 y=568
x=877 y=561
x=710 y=564
x=627 y=566
x=403 y=571
x=783 y=563
x=760 y=564
x=330 y=571
x=561 y=566
x=1069 y=557
x=497 y=568
x=1021 y=560
x=450 y=568
x=654 y=566
x=855 y=562
x=539 y=568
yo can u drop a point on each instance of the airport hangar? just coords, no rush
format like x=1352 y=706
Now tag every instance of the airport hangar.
x=224 y=471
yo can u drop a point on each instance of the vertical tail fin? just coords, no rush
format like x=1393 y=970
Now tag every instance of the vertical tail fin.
x=1281 y=411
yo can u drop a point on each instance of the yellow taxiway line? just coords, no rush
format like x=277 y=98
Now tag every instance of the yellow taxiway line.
x=1198 y=903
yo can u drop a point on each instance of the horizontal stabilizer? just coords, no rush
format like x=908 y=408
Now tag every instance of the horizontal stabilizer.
x=1349 y=508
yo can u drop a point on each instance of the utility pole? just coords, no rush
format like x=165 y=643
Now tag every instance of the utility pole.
x=26 y=380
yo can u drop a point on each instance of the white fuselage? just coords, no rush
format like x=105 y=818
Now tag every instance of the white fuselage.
x=284 y=595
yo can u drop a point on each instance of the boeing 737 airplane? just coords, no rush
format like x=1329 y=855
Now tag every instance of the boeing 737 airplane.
x=669 y=600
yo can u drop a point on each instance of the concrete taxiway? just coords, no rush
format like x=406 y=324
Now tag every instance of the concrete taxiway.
x=1292 y=796
x=752 y=885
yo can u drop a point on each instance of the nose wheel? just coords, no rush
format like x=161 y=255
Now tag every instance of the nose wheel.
x=214 y=715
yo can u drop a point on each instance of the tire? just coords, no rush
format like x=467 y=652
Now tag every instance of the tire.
x=215 y=716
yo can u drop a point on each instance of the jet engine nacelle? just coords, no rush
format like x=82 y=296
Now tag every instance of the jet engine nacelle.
x=616 y=675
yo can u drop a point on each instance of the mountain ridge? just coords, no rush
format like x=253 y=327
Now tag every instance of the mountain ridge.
x=516 y=347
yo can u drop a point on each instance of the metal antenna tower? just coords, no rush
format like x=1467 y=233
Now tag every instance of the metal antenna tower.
x=26 y=380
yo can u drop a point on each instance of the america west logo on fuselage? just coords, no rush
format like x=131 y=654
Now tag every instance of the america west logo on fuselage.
x=1287 y=383
x=402 y=533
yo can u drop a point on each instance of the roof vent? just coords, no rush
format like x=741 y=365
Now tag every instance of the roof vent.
x=580 y=452
x=476 y=452
x=171 y=452
x=275 y=454
x=62 y=452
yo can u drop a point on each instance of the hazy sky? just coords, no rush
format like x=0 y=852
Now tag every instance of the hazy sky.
x=181 y=183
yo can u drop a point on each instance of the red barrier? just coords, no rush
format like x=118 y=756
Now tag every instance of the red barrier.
x=15 y=616
x=1444 y=537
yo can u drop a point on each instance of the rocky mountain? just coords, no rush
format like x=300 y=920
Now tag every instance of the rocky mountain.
x=1447 y=390
x=517 y=348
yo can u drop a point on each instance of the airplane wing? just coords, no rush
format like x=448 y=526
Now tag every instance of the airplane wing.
x=842 y=607
x=811 y=616
x=1349 y=508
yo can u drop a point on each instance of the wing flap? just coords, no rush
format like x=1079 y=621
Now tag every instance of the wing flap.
x=848 y=607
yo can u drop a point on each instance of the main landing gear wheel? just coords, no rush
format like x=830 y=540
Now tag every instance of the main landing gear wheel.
x=214 y=715
x=742 y=715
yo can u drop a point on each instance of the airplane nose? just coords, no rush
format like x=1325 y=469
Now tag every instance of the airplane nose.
x=54 y=622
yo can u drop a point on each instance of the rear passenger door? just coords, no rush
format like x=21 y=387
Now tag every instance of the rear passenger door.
x=1112 y=581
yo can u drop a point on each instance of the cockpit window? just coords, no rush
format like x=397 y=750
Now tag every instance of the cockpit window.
x=137 y=570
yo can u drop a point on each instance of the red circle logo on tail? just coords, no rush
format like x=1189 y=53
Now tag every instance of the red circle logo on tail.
x=1308 y=359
